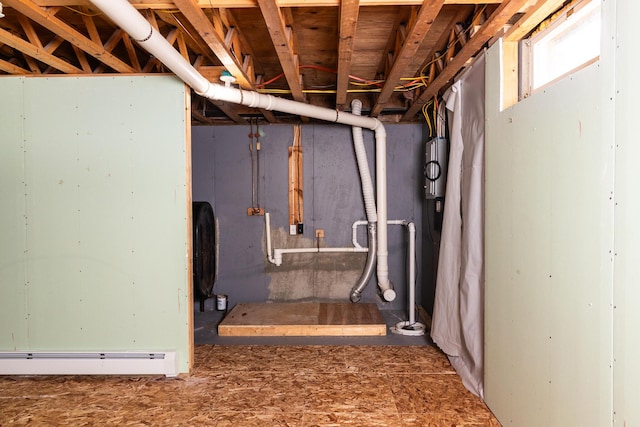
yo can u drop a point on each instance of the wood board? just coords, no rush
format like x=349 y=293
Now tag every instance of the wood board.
x=303 y=319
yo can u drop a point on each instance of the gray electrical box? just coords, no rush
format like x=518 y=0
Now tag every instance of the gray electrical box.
x=435 y=168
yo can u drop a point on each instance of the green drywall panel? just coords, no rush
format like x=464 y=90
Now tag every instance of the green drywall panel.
x=13 y=326
x=549 y=243
x=627 y=220
x=106 y=208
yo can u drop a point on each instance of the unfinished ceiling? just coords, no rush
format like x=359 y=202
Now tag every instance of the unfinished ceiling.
x=393 y=55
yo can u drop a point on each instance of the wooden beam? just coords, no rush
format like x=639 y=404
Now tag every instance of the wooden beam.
x=229 y=111
x=193 y=41
x=531 y=19
x=286 y=55
x=205 y=28
x=38 y=53
x=406 y=56
x=82 y=59
x=10 y=68
x=131 y=51
x=29 y=31
x=296 y=203
x=57 y=26
x=497 y=20
x=348 y=23
x=166 y=4
x=32 y=64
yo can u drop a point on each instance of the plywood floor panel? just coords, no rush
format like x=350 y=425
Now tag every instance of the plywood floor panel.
x=297 y=386
x=303 y=319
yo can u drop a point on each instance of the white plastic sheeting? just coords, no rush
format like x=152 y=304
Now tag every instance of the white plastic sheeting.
x=457 y=325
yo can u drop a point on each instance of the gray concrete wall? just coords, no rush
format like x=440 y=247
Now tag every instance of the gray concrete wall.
x=332 y=202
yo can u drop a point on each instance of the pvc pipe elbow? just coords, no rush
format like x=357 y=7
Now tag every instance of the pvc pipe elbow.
x=389 y=295
x=277 y=258
x=355 y=296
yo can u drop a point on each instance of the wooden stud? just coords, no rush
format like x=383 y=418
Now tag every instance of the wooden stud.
x=296 y=201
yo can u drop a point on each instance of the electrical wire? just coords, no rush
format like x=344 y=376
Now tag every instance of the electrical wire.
x=73 y=9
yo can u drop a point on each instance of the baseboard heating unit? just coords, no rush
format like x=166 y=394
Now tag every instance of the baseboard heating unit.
x=88 y=363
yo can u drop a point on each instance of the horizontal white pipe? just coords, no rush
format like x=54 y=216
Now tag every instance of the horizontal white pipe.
x=122 y=13
x=277 y=253
x=361 y=222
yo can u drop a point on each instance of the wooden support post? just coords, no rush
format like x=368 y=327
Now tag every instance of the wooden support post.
x=296 y=211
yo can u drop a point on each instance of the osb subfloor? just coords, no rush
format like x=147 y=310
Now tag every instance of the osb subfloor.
x=260 y=386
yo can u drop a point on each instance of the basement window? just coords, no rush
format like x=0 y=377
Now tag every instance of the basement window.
x=570 y=42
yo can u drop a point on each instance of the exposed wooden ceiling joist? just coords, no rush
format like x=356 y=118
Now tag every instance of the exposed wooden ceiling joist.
x=156 y=4
x=342 y=48
x=348 y=24
x=283 y=45
x=404 y=58
x=55 y=25
x=532 y=18
x=495 y=22
x=199 y=20
x=37 y=53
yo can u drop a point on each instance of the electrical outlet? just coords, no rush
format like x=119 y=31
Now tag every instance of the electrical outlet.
x=255 y=211
x=319 y=233
x=293 y=229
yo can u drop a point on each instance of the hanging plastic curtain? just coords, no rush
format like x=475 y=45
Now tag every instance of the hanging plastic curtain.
x=458 y=313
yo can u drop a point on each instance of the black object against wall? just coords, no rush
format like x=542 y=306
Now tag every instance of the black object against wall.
x=204 y=246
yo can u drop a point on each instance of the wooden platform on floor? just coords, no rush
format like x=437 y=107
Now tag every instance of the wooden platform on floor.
x=303 y=319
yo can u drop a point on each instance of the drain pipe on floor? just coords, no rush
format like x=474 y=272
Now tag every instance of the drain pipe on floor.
x=130 y=20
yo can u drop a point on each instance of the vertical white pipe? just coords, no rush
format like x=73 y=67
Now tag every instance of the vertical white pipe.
x=412 y=273
x=363 y=165
x=267 y=226
x=381 y=195
x=124 y=15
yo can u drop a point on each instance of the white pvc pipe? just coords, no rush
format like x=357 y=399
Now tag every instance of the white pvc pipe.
x=277 y=253
x=122 y=13
x=363 y=165
x=411 y=327
x=382 y=269
x=359 y=223
x=267 y=223
x=412 y=273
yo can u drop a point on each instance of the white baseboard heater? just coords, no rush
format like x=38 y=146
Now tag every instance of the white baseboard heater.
x=88 y=363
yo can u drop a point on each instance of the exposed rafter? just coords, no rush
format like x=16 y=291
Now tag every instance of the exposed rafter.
x=341 y=48
x=37 y=53
x=495 y=22
x=532 y=18
x=283 y=45
x=199 y=20
x=156 y=4
x=55 y=25
x=406 y=56
x=348 y=24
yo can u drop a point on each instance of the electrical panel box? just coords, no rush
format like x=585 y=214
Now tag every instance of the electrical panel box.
x=435 y=168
